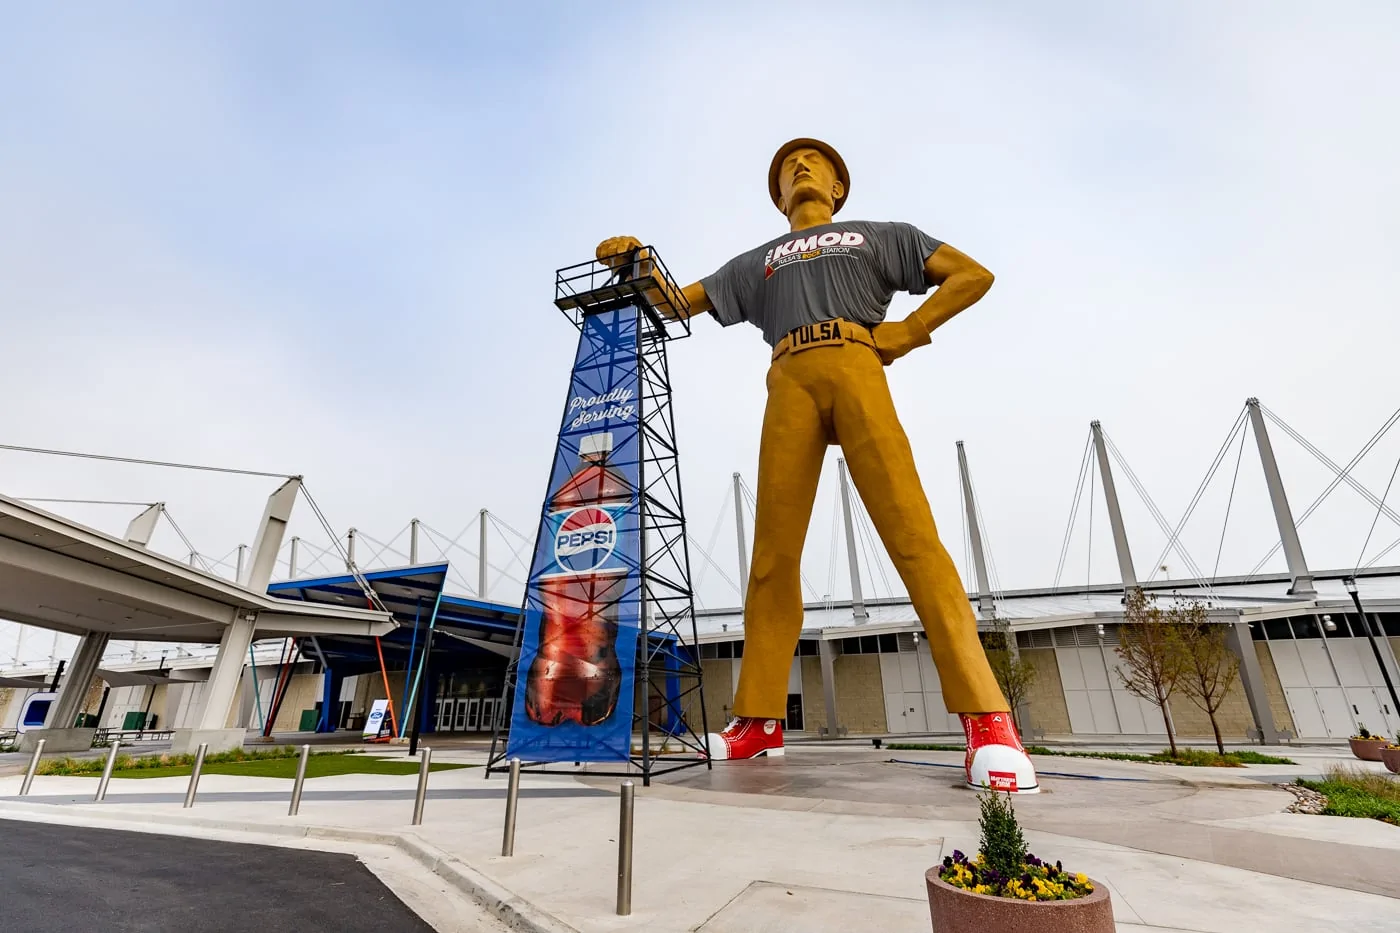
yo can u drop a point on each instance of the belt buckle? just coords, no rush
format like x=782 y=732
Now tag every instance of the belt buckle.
x=825 y=334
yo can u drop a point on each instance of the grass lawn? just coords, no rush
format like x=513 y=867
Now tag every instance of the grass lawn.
x=1354 y=792
x=277 y=762
x=286 y=767
x=1190 y=757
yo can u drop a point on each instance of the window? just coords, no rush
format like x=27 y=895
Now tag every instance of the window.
x=1391 y=622
x=889 y=644
x=726 y=649
x=850 y=646
x=807 y=648
x=869 y=644
x=1277 y=629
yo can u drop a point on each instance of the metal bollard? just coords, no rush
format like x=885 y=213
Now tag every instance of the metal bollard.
x=194 y=775
x=624 y=852
x=33 y=767
x=301 y=779
x=424 y=766
x=107 y=773
x=512 y=794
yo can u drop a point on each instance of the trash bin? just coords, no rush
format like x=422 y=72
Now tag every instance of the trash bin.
x=310 y=719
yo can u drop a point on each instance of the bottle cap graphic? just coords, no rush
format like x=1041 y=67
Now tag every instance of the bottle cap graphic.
x=591 y=445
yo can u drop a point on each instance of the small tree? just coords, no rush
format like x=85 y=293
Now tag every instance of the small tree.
x=1209 y=667
x=1150 y=649
x=1014 y=675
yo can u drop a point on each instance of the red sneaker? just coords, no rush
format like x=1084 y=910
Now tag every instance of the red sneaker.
x=746 y=737
x=995 y=756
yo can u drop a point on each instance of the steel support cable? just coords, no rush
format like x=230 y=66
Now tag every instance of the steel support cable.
x=860 y=532
x=752 y=502
x=1089 y=558
x=1326 y=461
x=500 y=571
x=831 y=551
x=1200 y=492
x=1156 y=514
x=82 y=501
x=1229 y=503
x=385 y=546
x=1073 y=514
x=143 y=462
x=368 y=591
x=1377 y=516
x=453 y=543
x=193 y=550
x=524 y=541
x=714 y=533
x=502 y=523
x=866 y=526
x=710 y=561
x=994 y=581
x=1345 y=471
x=515 y=556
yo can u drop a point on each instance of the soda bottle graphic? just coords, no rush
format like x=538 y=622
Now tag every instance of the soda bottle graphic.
x=575 y=676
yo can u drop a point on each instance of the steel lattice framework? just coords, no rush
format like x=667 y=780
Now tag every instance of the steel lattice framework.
x=663 y=720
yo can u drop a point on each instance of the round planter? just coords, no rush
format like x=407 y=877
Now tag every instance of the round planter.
x=1391 y=757
x=957 y=911
x=1367 y=749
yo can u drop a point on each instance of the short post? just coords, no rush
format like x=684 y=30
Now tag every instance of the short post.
x=33 y=767
x=624 y=852
x=194 y=774
x=424 y=766
x=512 y=794
x=107 y=773
x=301 y=779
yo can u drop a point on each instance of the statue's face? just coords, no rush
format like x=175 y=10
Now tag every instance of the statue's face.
x=807 y=175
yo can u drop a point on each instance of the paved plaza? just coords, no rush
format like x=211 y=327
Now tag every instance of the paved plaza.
x=827 y=838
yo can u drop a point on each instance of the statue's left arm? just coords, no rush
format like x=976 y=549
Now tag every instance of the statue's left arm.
x=961 y=281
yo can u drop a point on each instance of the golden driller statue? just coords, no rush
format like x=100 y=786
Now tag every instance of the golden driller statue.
x=820 y=293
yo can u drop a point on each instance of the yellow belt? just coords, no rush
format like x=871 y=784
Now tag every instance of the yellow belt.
x=828 y=333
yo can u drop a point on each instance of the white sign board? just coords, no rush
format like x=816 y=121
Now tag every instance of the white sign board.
x=374 y=722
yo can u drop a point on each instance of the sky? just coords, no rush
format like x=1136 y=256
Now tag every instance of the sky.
x=320 y=239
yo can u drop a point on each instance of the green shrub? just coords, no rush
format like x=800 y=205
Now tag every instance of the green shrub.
x=1353 y=792
x=1002 y=841
x=84 y=766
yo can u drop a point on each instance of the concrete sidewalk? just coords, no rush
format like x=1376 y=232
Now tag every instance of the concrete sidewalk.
x=823 y=840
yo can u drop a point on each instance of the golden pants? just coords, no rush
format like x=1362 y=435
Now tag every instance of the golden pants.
x=838 y=394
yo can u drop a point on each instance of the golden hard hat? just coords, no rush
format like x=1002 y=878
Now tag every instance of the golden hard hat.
x=825 y=149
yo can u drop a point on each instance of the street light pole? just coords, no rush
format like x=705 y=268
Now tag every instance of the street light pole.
x=1350 y=584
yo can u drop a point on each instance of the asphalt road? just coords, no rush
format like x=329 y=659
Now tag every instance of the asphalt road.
x=62 y=878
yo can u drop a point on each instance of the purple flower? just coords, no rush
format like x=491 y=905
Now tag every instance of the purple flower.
x=948 y=862
x=958 y=856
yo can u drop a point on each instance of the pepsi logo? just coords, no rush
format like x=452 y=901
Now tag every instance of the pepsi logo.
x=585 y=539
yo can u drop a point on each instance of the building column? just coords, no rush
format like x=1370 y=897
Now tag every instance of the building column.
x=1283 y=515
x=222 y=688
x=986 y=608
x=857 y=600
x=826 y=650
x=59 y=733
x=1115 y=513
x=1252 y=679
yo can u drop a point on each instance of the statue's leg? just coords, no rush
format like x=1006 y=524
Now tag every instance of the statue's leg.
x=790 y=458
x=882 y=465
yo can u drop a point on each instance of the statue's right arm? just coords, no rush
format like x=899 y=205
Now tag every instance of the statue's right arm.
x=675 y=302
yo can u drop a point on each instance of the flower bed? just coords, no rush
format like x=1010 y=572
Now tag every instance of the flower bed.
x=1037 y=881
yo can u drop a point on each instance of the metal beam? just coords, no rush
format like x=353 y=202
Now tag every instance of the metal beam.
x=144 y=525
x=1115 y=513
x=826 y=650
x=985 y=607
x=1241 y=641
x=857 y=600
x=1283 y=515
x=268 y=542
x=743 y=541
x=482 y=566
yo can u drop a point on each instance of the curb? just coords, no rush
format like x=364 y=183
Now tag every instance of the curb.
x=511 y=909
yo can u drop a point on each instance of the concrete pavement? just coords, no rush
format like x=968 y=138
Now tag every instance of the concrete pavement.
x=799 y=843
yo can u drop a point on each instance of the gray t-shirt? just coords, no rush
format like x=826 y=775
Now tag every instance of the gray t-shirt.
x=843 y=269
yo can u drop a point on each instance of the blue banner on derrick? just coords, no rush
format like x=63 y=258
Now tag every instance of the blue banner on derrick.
x=575 y=681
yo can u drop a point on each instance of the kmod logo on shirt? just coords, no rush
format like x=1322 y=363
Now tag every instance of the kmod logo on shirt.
x=803 y=249
x=585 y=539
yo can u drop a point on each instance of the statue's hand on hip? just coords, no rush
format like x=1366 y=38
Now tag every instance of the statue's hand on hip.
x=893 y=339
